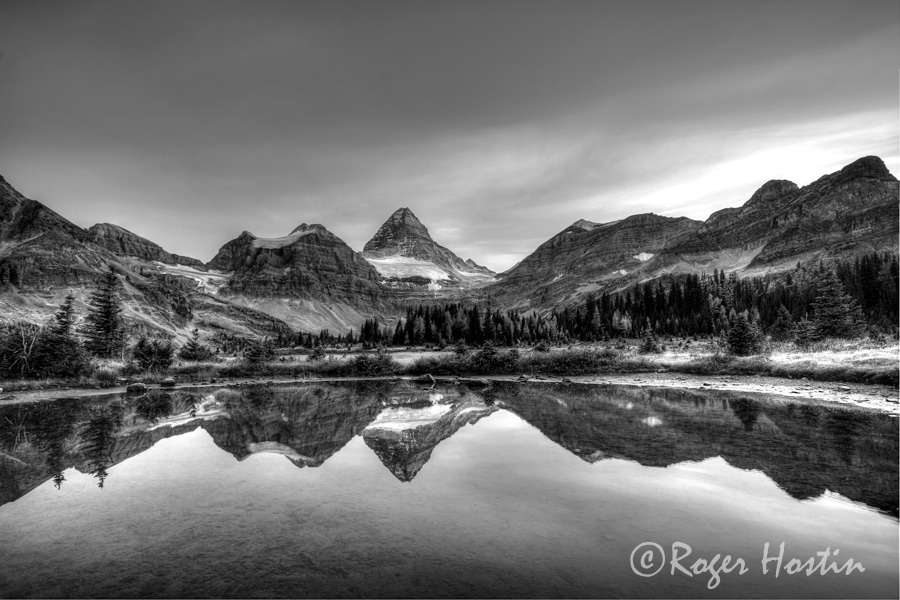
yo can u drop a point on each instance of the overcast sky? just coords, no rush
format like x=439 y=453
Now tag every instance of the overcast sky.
x=498 y=123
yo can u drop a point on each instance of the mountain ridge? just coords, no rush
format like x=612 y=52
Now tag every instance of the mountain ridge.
x=312 y=278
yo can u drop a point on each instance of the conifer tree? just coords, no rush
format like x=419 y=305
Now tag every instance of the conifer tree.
x=835 y=313
x=60 y=352
x=806 y=332
x=783 y=327
x=65 y=317
x=743 y=338
x=103 y=330
x=194 y=350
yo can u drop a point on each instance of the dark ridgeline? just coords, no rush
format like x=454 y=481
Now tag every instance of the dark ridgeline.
x=804 y=449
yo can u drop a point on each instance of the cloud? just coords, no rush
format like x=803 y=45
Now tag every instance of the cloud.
x=498 y=123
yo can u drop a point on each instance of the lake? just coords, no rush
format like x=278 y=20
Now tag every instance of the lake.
x=391 y=489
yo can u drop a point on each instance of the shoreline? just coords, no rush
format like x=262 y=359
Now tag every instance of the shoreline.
x=867 y=397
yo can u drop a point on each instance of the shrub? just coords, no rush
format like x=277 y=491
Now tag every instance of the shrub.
x=318 y=353
x=488 y=360
x=375 y=364
x=152 y=355
x=570 y=362
x=542 y=346
x=650 y=345
x=106 y=377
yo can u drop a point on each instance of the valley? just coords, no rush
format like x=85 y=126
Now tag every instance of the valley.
x=645 y=276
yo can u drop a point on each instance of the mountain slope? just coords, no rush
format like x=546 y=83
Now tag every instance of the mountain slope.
x=851 y=211
x=402 y=249
x=122 y=242
x=309 y=278
x=587 y=256
x=44 y=257
x=40 y=247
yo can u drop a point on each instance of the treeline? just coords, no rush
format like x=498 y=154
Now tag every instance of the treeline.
x=708 y=304
x=861 y=297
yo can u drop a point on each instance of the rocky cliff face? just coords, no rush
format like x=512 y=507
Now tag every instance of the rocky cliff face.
x=402 y=250
x=586 y=257
x=39 y=247
x=23 y=219
x=44 y=257
x=852 y=210
x=122 y=242
x=310 y=279
x=310 y=262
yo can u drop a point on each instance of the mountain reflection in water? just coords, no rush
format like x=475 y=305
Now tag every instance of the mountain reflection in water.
x=809 y=452
x=805 y=449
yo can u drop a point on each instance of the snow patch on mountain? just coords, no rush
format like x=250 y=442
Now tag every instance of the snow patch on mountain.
x=278 y=448
x=643 y=256
x=399 y=419
x=402 y=267
x=207 y=281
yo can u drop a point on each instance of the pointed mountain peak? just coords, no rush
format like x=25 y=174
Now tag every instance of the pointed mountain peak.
x=404 y=214
x=405 y=219
x=403 y=235
x=400 y=231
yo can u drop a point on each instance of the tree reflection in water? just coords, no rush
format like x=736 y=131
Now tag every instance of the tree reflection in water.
x=98 y=437
x=806 y=449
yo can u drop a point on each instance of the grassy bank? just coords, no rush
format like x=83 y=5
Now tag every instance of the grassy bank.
x=849 y=362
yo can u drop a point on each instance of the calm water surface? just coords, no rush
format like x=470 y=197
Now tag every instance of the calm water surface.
x=387 y=489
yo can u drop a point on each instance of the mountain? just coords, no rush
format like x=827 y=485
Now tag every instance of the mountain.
x=587 y=257
x=44 y=257
x=39 y=247
x=310 y=278
x=851 y=211
x=122 y=242
x=402 y=251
